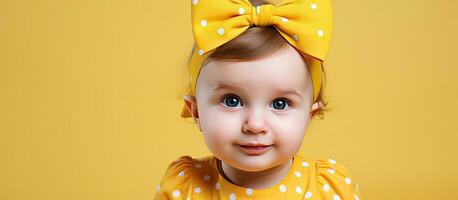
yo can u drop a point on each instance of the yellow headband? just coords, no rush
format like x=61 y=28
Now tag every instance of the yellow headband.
x=306 y=25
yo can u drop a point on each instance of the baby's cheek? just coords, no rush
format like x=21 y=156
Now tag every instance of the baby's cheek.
x=288 y=141
x=289 y=134
x=219 y=122
x=220 y=128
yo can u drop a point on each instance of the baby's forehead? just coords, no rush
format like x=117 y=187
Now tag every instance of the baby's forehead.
x=286 y=58
x=284 y=69
x=243 y=73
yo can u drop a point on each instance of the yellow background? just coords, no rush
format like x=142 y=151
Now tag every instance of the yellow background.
x=90 y=98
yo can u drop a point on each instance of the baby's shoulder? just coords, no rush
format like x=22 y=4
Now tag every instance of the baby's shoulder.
x=194 y=166
x=332 y=179
x=184 y=172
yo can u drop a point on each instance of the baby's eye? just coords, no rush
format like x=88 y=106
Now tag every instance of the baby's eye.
x=231 y=101
x=280 y=103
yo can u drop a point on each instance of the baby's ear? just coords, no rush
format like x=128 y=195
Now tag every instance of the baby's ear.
x=191 y=105
x=315 y=108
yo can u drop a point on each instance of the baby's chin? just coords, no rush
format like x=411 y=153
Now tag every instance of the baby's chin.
x=257 y=163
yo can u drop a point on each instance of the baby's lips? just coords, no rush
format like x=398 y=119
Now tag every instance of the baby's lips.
x=253 y=144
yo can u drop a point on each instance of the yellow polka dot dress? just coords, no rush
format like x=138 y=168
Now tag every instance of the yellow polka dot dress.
x=188 y=178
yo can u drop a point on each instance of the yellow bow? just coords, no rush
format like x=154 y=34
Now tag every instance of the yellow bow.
x=305 y=24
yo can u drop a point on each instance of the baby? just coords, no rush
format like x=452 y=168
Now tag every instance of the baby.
x=253 y=94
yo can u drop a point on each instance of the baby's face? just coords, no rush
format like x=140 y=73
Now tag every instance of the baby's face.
x=265 y=101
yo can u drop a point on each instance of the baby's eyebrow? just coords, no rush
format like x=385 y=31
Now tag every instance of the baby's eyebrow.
x=226 y=86
x=236 y=87
x=292 y=92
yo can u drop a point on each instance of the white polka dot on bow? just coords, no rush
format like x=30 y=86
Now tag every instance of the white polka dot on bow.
x=221 y=31
x=176 y=193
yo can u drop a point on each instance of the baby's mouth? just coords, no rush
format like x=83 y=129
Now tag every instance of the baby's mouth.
x=254 y=149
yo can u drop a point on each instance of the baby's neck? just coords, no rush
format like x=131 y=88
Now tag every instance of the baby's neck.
x=256 y=180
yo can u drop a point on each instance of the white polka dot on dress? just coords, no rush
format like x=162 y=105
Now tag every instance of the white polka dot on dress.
x=348 y=181
x=198 y=165
x=313 y=6
x=241 y=11
x=207 y=177
x=194 y=2
x=282 y=188
x=336 y=197
x=197 y=190
x=232 y=196
x=249 y=191
x=356 y=197
x=305 y=164
x=326 y=187
x=284 y=19
x=298 y=189
x=308 y=195
x=201 y=52
x=295 y=37
x=217 y=186
x=320 y=33
x=298 y=174
x=158 y=187
x=332 y=171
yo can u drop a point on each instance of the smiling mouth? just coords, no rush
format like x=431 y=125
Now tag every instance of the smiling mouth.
x=254 y=149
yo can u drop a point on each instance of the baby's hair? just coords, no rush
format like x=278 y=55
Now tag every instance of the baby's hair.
x=256 y=42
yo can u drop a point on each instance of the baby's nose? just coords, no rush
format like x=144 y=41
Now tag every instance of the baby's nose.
x=255 y=122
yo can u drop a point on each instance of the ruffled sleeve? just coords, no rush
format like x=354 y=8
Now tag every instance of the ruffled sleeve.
x=176 y=182
x=334 y=181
